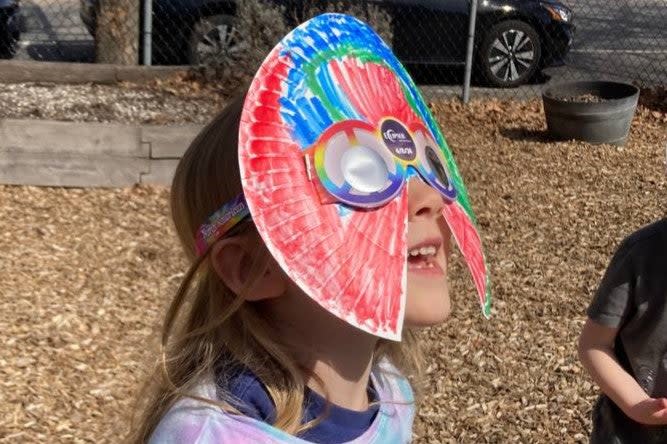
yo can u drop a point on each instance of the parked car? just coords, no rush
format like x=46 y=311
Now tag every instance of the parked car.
x=9 y=27
x=515 y=39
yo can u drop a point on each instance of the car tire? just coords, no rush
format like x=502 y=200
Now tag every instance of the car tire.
x=510 y=54
x=212 y=35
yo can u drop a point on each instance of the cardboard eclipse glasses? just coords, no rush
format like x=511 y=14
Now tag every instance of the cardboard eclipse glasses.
x=357 y=164
x=361 y=165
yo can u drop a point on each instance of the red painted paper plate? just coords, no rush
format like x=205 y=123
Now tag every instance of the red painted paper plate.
x=353 y=262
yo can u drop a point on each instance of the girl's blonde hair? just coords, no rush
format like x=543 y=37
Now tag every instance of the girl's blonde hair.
x=215 y=321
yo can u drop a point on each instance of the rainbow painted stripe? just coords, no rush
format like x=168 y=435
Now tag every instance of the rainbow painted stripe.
x=220 y=223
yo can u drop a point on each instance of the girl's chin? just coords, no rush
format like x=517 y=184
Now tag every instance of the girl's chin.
x=427 y=301
x=420 y=318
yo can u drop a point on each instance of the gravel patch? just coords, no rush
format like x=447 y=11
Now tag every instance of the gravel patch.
x=160 y=103
x=85 y=276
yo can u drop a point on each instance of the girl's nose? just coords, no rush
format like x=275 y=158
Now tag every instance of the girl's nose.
x=423 y=200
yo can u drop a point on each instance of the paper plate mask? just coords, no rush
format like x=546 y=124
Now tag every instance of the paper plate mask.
x=332 y=128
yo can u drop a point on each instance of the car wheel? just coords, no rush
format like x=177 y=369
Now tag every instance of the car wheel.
x=510 y=54
x=211 y=37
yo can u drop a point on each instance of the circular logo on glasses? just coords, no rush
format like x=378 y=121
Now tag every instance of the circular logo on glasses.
x=398 y=139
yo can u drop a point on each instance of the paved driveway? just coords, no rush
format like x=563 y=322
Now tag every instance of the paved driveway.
x=54 y=32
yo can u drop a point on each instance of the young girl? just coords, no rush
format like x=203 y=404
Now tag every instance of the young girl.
x=298 y=298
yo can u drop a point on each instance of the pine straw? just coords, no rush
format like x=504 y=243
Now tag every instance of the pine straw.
x=85 y=276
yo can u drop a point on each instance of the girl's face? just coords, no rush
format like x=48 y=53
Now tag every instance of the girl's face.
x=429 y=248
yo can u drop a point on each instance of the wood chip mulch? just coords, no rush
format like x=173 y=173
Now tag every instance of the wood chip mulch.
x=85 y=276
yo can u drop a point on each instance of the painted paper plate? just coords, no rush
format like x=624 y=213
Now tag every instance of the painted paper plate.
x=351 y=261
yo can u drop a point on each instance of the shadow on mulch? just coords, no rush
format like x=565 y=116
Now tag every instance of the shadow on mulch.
x=654 y=99
x=526 y=134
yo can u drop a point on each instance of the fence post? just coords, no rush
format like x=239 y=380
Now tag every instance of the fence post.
x=469 y=51
x=147 y=31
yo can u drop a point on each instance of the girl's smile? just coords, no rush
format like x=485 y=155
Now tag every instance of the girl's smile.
x=424 y=258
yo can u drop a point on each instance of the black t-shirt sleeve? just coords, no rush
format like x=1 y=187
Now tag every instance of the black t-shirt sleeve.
x=614 y=301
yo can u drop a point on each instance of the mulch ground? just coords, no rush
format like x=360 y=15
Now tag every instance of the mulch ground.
x=85 y=276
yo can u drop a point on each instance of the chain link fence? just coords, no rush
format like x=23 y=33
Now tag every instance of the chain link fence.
x=518 y=45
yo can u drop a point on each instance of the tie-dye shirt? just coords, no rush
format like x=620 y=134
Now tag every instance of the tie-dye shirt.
x=191 y=421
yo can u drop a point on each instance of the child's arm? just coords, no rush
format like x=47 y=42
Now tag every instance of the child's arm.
x=596 y=352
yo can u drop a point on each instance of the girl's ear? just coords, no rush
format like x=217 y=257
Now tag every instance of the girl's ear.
x=232 y=259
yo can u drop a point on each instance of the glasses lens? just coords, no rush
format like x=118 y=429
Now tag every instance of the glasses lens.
x=437 y=167
x=364 y=169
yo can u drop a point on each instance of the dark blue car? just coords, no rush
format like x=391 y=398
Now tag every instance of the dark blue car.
x=515 y=39
x=9 y=27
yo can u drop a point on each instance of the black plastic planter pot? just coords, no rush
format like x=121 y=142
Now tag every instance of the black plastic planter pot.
x=595 y=112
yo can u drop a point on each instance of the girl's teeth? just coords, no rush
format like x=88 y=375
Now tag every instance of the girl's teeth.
x=424 y=251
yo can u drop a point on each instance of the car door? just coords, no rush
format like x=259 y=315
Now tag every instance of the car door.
x=429 y=31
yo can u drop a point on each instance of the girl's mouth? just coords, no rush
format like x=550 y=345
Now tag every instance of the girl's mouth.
x=422 y=258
